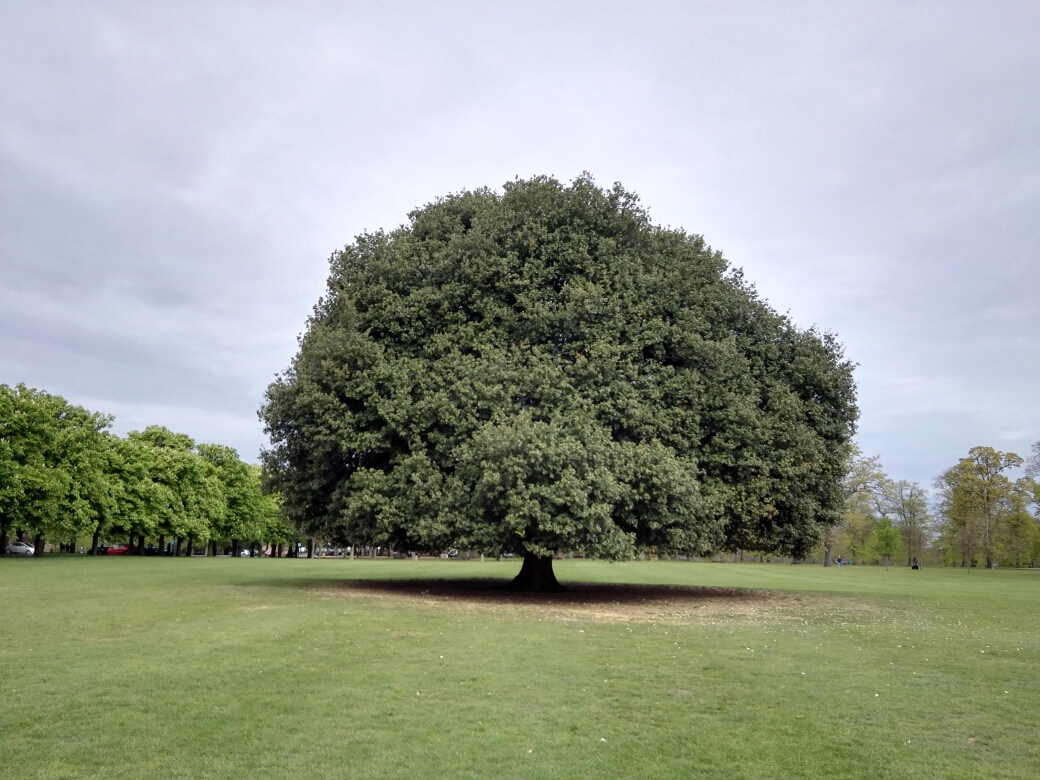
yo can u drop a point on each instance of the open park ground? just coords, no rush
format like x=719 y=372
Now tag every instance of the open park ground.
x=262 y=668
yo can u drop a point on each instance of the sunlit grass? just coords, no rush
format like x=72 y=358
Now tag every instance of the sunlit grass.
x=275 y=668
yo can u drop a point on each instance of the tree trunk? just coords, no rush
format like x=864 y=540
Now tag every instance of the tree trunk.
x=38 y=543
x=177 y=548
x=827 y=555
x=94 y=541
x=234 y=548
x=3 y=540
x=536 y=575
x=310 y=548
x=191 y=546
x=351 y=551
x=162 y=545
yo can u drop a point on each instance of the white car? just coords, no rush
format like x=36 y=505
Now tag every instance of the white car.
x=20 y=548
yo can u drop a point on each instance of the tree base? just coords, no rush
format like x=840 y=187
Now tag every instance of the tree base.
x=536 y=576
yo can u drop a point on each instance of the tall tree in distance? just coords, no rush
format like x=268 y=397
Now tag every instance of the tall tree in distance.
x=908 y=504
x=977 y=496
x=1017 y=536
x=545 y=370
x=886 y=537
x=1032 y=473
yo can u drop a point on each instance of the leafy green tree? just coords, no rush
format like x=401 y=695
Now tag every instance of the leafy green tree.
x=886 y=540
x=141 y=503
x=185 y=498
x=242 y=520
x=1031 y=485
x=1032 y=471
x=52 y=457
x=977 y=497
x=1017 y=535
x=545 y=370
x=8 y=487
x=273 y=528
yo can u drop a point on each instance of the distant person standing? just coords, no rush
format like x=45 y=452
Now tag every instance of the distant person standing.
x=915 y=564
x=839 y=561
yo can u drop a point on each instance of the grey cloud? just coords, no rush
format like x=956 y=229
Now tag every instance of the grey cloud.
x=173 y=178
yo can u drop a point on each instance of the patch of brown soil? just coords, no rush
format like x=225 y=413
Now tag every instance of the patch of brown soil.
x=615 y=603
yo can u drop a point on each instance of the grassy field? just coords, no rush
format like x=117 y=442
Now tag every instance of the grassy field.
x=242 y=668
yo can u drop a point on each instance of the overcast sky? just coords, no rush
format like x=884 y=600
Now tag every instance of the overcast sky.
x=173 y=178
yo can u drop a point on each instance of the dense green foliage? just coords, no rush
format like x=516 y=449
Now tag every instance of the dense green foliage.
x=53 y=462
x=63 y=474
x=545 y=370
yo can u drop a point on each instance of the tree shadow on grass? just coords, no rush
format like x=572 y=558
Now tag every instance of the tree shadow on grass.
x=494 y=591
x=579 y=601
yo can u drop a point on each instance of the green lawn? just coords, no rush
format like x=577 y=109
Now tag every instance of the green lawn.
x=221 y=668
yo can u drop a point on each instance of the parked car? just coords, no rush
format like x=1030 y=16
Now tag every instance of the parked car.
x=119 y=549
x=245 y=554
x=20 y=548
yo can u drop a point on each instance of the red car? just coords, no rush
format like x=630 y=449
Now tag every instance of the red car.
x=119 y=549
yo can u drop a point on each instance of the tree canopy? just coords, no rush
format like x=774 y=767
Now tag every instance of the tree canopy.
x=545 y=370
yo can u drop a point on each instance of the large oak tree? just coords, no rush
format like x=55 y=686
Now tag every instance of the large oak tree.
x=546 y=370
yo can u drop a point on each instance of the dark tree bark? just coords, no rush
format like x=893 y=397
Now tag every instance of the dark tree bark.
x=536 y=576
x=310 y=548
x=140 y=544
x=94 y=541
x=38 y=544
x=3 y=540
x=234 y=548
x=162 y=545
x=177 y=548
x=191 y=546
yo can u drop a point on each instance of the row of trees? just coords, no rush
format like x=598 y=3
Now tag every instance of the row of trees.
x=980 y=515
x=65 y=475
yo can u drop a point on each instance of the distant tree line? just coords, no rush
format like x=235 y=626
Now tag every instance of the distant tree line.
x=64 y=475
x=980 y=515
